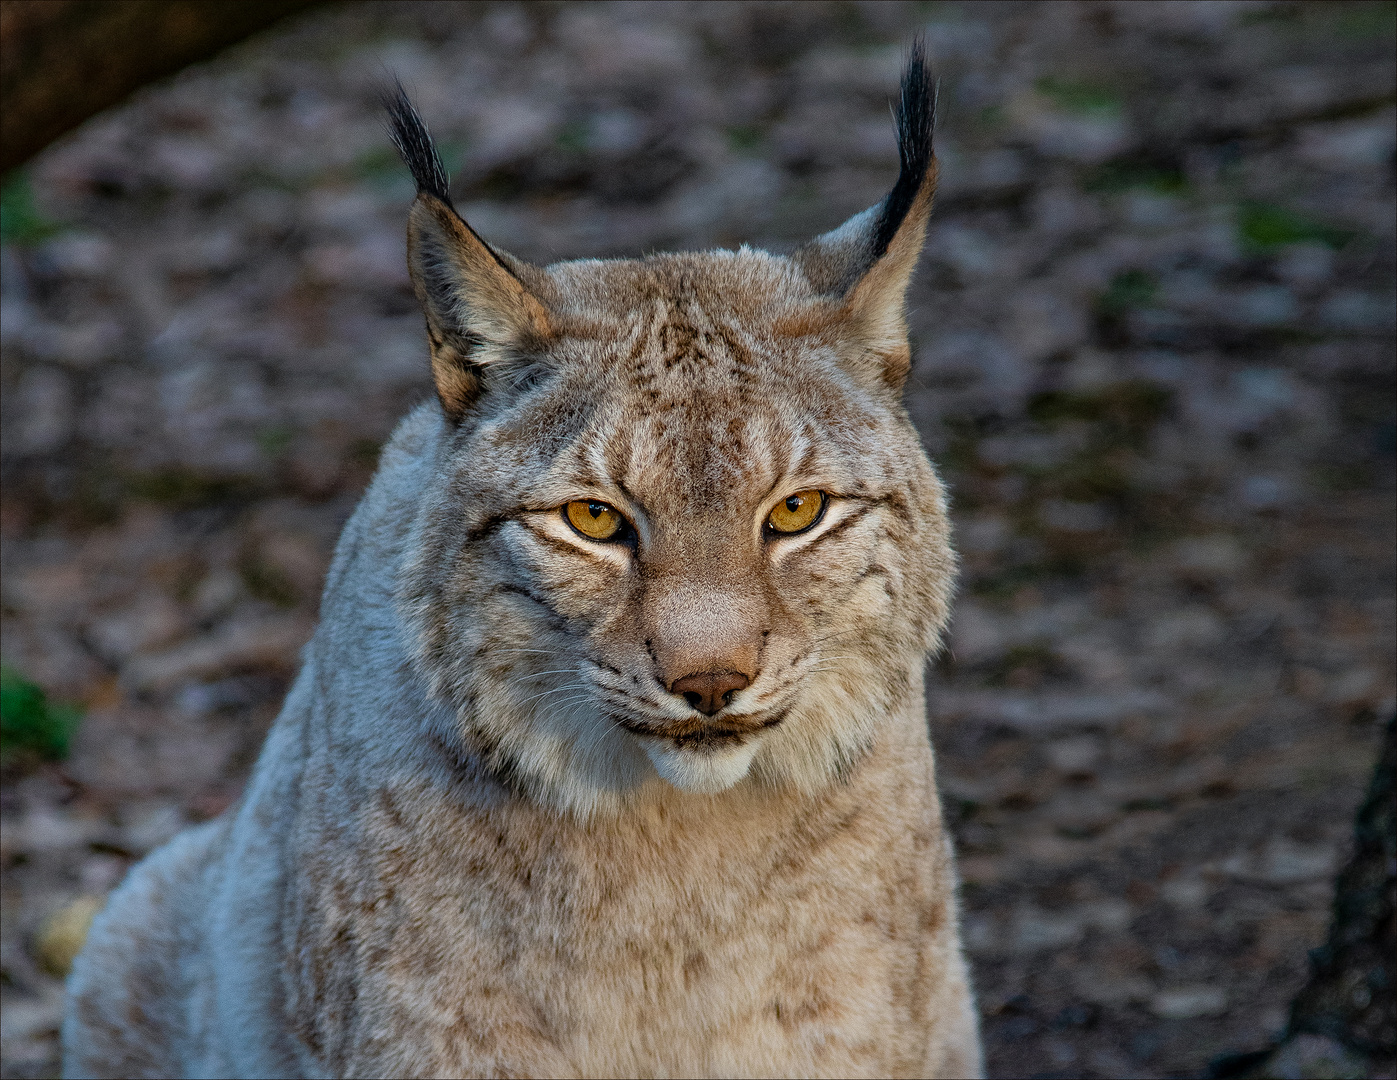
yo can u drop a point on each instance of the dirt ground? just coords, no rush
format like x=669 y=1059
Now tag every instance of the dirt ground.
x=1154 y=341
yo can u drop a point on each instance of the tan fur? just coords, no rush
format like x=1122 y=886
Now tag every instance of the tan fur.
x=484 y=838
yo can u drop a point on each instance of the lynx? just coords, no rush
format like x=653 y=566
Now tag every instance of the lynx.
x=609 y=756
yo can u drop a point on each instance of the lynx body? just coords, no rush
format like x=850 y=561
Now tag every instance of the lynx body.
x=609 y=755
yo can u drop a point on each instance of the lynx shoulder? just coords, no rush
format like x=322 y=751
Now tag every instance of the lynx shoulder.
x=609 y=755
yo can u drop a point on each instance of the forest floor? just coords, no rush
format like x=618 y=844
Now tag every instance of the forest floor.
x=1154 y=341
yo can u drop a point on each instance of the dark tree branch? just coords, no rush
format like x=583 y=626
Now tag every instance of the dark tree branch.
x=62 y=61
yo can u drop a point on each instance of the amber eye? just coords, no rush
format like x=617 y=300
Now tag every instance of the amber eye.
x=796 y=513
x=595 y=520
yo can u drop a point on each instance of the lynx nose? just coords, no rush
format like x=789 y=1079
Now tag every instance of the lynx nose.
x=709 y=691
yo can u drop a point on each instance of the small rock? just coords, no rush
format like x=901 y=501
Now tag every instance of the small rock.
x=1260 y=306
x=1215 y=556
x=1193 y=627
x=1042 y=323
x=1087 y=140
x=148 y=825
x=1263 y=492
x=1077 y=517
x=1351 y=144
x=62 y=934
x=1111 y=916
x=1189 y=1002
x=1349 y=309
x=152 y=622
x=217 y=593
x=1146 y=210
x=78 y=254
x=1354 y=687
x=1034 y=450
x=1185 y=892
x=101 y=873
x=977 y=636
x=27 y=1025
x=1074 y=755
x=1035 y=714
x=982 y=534
x=1035 y=930
x=274 y=641
x=1283 y=862
x=43 y=421
x=1305 y=264
x=1314 y=1057
x=1108 y=985
x=973 y=254
x=47 y=829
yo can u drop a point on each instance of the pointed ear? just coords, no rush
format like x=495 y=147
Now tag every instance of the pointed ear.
x=481 y=304
x=864 y=266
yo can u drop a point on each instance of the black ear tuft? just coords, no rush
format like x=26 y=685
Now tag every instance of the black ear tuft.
x=915 y=116
x=409 y=133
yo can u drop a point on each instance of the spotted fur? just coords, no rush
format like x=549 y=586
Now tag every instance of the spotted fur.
x=486 y=836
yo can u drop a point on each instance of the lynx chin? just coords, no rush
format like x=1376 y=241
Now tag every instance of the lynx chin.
x=609 y=756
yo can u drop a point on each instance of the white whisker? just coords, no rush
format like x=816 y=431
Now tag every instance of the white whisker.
x=556 y=690
x=567 y=703
x=541 y=674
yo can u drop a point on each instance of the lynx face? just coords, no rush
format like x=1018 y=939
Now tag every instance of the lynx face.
x=681 y=523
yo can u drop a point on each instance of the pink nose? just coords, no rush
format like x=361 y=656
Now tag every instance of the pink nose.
x=709 y=691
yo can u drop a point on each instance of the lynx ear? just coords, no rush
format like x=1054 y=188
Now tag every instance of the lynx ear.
x=865 y=264
x=479 y=303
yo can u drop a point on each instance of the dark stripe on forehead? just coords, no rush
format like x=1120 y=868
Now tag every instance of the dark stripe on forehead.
x=743 y=366
x=617 y=454
x=809 y=455
x=490 y=525
x=676 y=342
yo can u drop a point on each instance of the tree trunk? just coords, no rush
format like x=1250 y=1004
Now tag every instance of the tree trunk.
x=62 y=61
x=1344 y=1022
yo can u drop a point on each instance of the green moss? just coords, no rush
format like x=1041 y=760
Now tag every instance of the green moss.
x=380 y=161
x=1127 y=174
x=1364 y=21
x=1264 y=227
x=30 y=724
x=273 y=441
x=382 y=168
x=267 y=582
x=1124 y=411
x=745 y=138
x=963 y=438
x=1026 y=665
x=993 y=117
x=20 y=220
x=1081 y=96
x=573 y=138
x=1089 y=479
x=1007 y=582
x=1104 y=470
x=1128 y=289
x=182 y=488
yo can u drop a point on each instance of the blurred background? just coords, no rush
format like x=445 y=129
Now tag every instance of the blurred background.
x=1154 y=360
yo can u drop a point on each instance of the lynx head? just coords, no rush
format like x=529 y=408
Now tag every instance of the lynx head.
x=680 y=522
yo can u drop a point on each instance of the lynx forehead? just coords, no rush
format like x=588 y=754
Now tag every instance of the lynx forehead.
x=609 y=755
